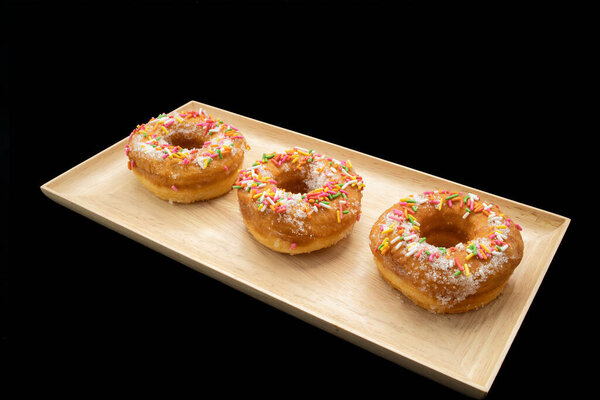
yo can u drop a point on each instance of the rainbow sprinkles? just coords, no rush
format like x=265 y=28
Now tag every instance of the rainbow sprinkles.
x=327 y=180
x=155 y=139
x=400 y=231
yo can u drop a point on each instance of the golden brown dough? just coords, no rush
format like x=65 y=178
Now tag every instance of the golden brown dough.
x=299 y=201
x=448 y=252
x=187 y=156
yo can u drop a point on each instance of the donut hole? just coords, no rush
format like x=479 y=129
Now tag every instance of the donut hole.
x=445 y=237
x=294 y=181
x=185 y=141
x=446 y=232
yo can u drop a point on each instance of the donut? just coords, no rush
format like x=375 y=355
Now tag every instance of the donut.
x=186 y=156
x=448 y=252
x=299 y=200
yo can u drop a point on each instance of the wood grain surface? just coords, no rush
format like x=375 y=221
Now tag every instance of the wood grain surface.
x=337 y=289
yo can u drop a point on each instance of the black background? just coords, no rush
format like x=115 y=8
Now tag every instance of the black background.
x=481 y=96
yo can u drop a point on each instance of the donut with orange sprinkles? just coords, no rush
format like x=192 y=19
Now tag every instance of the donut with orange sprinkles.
x=299 y=200
x=186 y=156
x=448 y=252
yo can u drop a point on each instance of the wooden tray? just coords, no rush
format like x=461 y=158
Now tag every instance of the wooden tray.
x=337 y=289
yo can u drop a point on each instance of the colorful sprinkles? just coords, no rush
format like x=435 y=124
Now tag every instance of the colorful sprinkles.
x=400 y=231
x=328 y=182
x=218 y=139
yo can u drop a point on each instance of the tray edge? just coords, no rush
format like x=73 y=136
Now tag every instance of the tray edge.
x=466 y=385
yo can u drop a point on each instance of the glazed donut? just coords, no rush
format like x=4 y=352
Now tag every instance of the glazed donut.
x=299 y=201
x=187 y=156
x=448 y=252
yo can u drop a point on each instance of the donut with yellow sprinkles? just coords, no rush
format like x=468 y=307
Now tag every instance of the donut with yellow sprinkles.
x=448 y=252
x=186 y=156
x=299 y=200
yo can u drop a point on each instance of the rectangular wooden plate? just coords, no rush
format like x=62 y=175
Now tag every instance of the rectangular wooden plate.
x=337 y=289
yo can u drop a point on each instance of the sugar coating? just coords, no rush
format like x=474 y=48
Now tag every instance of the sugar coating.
x=400 y=238
x=324 y=179
x=153 y=140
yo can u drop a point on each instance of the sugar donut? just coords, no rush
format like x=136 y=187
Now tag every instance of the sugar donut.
x=187 y=156
x=448 y=252
x=299 y=201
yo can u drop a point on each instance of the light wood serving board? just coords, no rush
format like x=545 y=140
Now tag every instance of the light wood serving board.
x=337 y=289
